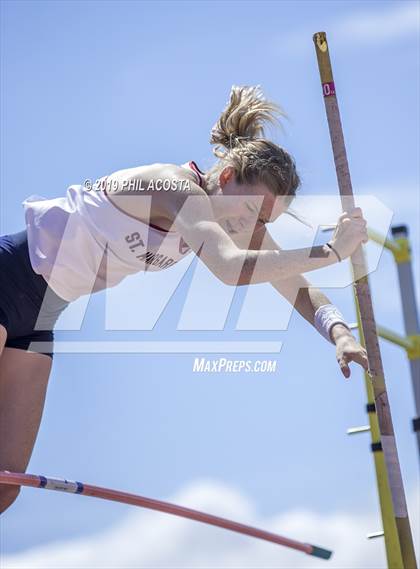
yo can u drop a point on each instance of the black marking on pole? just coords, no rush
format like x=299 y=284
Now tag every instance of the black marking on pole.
x=370 y=408
x=376 y=447
x=416 y=424
x=80 y=488
x=399 y=230
x=43 y=481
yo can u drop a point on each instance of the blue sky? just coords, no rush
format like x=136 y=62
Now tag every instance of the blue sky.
x=91 y=87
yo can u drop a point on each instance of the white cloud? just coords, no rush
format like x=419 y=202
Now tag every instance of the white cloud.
x=359 y=28
x=380 y=26
x=154 y=540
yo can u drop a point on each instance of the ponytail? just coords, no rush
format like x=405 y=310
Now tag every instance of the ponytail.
x=243 y=119
x=239 y=142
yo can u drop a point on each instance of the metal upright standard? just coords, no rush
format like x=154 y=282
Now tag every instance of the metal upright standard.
x=364 y=300
x=401 y=251
x=390 y=529
x=402 y=256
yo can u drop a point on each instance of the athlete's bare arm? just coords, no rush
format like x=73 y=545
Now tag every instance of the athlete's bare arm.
x=194 y=219
x=296 y=289
x=191 y=214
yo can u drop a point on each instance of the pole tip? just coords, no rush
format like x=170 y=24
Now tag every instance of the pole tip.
x=321 y=552
x=319 y=35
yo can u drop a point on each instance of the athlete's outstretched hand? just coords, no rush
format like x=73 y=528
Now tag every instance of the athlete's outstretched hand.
x=348 y=350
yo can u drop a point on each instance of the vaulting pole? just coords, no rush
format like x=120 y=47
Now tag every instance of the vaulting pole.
x=366 y=309
x=62 y=485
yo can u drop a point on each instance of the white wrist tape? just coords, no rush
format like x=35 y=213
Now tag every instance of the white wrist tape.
x=325 y=318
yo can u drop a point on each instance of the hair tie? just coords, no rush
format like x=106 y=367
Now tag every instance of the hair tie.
x=236 y=138
x=334 y=250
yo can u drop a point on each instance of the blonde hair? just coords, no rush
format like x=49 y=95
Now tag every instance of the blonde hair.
x=239 y=142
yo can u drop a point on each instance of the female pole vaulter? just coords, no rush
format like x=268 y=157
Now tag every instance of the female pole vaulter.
x=93 y=238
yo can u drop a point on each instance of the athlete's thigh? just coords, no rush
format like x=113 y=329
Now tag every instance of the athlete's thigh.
x=23 y=385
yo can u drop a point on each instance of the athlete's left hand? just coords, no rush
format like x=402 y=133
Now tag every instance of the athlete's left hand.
x=349 y=350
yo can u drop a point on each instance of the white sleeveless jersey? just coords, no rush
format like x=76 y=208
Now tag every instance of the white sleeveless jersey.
x=83 y=243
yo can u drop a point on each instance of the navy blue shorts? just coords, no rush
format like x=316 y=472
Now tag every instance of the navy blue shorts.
x=29 y=308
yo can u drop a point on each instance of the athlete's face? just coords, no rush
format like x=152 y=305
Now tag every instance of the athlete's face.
x=240 y=207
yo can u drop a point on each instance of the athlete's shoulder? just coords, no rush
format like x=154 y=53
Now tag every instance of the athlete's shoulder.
x=185 y=171
x=160 y=170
